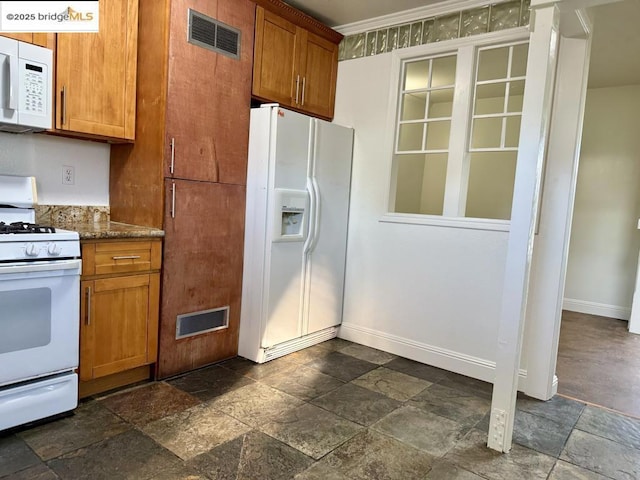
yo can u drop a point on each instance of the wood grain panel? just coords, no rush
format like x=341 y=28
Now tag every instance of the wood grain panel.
x=275 y=53
x=209 y=96
x=202 y=270
x=120 y=379
x=98 y=74
x=85 y=371
x=320 y=65
x=23 y=37
x=119 y=318
x=136 y=182
x=47 y=40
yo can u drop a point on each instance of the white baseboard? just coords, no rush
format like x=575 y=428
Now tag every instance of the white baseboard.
x=594 y=308
x=438 y=357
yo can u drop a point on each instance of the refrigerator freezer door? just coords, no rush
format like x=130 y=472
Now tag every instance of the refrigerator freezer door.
x=288 y=168
x=325 y=260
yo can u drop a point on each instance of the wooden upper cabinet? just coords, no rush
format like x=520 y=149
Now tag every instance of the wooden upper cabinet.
x=275 y=58
x=293 y=65
x=320 y=66
x=96 y=75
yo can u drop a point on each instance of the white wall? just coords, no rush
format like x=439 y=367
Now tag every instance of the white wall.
x=426 y=292
x=605 y=240
x=43 y=157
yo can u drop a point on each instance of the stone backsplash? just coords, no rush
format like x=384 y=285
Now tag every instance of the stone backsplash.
x=64 y=214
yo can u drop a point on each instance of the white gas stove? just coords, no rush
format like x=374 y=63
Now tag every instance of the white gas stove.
x=40 y=297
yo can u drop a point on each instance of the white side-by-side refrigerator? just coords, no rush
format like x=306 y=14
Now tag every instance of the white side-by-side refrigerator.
x=298 y=184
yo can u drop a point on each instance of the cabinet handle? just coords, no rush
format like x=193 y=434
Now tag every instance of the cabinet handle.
x=173 y=200
x=297 y=87
x=173 y=154
x=63 y=97
x=304 y=81
x=88 y=294
x=126 y=257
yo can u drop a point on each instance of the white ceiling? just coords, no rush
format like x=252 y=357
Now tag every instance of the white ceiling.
x=616 y=41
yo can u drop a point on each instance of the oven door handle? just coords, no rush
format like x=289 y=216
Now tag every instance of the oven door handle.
x=42 y=267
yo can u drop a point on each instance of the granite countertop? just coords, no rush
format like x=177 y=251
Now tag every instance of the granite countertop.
x=109 y=230
x=91 y=222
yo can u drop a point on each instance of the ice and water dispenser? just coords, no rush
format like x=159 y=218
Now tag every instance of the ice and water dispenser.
x=290 y=215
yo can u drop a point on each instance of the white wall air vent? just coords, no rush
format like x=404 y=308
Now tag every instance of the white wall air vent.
x=209 y=33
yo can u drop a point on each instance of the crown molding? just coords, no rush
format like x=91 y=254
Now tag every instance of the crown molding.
x=407 y=16
x=300 y=19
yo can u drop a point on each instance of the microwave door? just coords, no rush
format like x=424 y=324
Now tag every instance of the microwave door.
x=9 y=80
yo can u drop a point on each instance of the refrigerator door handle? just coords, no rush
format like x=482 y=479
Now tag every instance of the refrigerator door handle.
x=316 y=214
x=311 y=217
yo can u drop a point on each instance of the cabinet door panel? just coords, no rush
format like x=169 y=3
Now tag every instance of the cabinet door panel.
x=209 y=97
x=116 y=320
x=274 y=71
x=203 y=253
x=320 y=64
x=96 y=74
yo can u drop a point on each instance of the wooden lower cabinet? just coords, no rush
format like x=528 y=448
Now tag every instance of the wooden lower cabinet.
x=119 y=314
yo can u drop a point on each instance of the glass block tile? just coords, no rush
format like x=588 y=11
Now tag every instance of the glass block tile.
x=474 y=21
x=382 y=37
x=526 y=12
x=427 y=31
x=341 y=50
x=371 y=44
x=354 y=47
x=504 y=15
x=403 y=35
x=392 y=40
x=415 y=37
x=447 y=27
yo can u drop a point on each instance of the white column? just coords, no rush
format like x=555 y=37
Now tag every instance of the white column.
x=546 y=288
x=532 y=149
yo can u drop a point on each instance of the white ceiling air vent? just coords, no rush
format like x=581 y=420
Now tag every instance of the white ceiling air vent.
x=209 y=33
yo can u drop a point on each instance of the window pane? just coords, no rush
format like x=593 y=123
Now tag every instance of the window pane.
x=420 y=181
x=512 y=135
x=417 y=75
x=440 y=103
x=444 y=71
x=486 y=133
x=516 y=95
x=410 y=137
x=519 y=60
x=490 y=98
x=492 y=63
x=414 y=106
x=438 y=135
x=490 y=189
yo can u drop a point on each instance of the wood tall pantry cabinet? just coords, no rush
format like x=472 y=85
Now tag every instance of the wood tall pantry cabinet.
x=186 y=172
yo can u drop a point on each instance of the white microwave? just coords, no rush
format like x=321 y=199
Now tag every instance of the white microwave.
x=26 y=86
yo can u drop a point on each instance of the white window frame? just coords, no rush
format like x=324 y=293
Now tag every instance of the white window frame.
x=457 y=164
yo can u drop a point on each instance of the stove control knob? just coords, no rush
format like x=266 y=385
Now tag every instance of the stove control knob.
x=32 y=250
x=54 y=250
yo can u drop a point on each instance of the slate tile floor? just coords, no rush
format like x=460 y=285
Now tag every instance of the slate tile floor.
x=333 y=411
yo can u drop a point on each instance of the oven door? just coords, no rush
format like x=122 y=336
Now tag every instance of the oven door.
x=39 y=318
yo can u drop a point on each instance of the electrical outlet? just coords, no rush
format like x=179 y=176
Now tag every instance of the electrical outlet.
x=68 y=175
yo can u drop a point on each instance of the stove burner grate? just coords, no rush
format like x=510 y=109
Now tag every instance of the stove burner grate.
x=22 y=227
